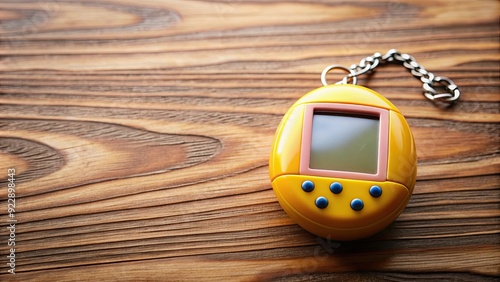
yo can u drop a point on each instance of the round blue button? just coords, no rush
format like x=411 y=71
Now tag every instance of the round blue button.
x=375 y=191
x=308 y=186
x=321 y=202
x=336 y=188
x=357 y=204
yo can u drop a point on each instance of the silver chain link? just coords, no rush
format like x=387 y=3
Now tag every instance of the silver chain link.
x=429 y=80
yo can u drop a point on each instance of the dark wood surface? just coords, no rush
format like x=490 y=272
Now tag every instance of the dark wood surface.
x=140 y=132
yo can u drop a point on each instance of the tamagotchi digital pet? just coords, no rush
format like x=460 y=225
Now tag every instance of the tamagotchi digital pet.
x=343 y=163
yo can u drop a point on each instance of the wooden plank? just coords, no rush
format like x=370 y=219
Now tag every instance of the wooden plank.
x=140 y=133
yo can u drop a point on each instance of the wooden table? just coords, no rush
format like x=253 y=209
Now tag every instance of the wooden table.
x=139 y=134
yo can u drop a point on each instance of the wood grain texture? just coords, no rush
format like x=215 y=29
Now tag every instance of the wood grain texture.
x=140 y=133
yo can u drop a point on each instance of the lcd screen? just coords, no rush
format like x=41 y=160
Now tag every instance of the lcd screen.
x=344 y=142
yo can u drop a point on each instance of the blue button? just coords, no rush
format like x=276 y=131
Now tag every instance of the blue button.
x=336 y=188
x=357 y=204
x=307 y=186
x=321 y=202
x=375 y=191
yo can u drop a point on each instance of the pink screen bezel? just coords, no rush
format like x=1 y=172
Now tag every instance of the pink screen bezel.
x=305 y=152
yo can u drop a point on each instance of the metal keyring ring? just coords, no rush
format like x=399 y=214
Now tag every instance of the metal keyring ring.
x=344 y=80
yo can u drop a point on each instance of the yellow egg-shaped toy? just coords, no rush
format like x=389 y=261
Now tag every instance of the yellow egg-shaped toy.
x=343 y=163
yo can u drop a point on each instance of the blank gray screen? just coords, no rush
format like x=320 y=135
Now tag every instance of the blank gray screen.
x=344 y=142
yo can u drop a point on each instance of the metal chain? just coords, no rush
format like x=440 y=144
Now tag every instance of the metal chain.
x=430 y=82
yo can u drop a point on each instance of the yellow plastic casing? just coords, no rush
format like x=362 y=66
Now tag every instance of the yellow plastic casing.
x=338 y=221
